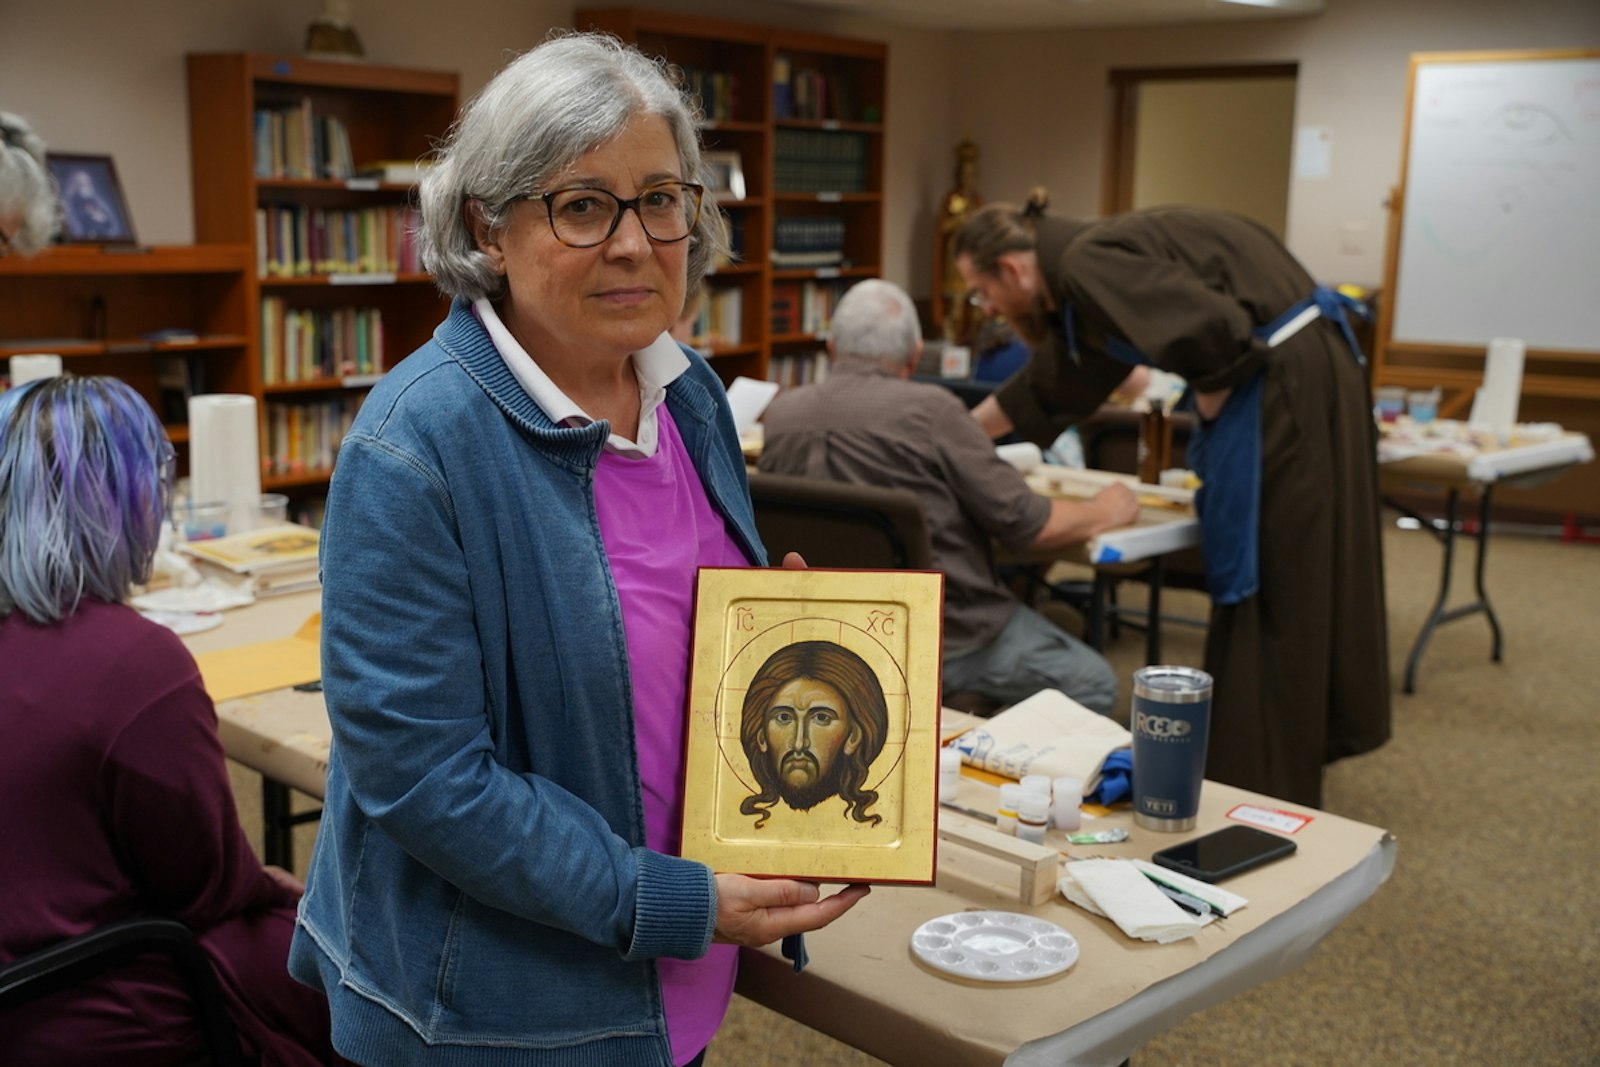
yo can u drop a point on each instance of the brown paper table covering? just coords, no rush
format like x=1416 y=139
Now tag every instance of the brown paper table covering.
x=864 y=986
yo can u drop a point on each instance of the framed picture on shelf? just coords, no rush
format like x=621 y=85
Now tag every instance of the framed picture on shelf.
x=725 y=174
x=814 y=724
x=93 y=210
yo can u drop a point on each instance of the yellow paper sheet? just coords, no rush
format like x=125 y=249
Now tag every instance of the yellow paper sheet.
x=260 y=668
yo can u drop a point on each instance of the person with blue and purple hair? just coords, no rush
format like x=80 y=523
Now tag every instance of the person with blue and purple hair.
x=112 y=778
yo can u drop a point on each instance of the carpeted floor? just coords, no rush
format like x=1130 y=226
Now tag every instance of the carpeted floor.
x=1484 y=947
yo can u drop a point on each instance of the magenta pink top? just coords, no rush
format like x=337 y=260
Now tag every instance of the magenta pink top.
x=658 y=527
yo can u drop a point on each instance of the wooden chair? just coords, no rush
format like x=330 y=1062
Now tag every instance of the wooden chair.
x=67 y=963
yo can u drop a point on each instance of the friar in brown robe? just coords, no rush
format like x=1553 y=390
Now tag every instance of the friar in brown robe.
x=1301 y=661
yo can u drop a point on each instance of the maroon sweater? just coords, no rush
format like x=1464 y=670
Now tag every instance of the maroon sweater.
x=115 y=803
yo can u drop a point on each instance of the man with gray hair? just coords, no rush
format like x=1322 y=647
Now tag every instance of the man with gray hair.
x=867 y=424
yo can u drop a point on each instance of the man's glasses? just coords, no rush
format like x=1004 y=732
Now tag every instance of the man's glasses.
x=582 y=217
x=979 y=301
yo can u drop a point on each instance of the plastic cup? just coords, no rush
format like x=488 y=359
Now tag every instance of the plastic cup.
x=1391 y=401
x=272 y=510
x=1066 y=797
x=949 y=775
x=202 y=522
x=1423 y=405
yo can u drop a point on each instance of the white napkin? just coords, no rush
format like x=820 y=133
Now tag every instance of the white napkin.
x=1119 y=891
x=215 y=593
x=1049 y=733
x=1216 y=896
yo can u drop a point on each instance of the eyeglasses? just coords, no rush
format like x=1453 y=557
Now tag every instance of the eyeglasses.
x=582 y=217
x=979 y=301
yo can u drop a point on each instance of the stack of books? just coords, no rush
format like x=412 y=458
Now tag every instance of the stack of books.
x=807 y=241
x=277 y=559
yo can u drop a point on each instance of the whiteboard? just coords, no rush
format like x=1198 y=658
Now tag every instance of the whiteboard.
x=1500 y=234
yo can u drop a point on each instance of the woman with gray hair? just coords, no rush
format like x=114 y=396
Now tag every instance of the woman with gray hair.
x=29 y=211
x=509 y=557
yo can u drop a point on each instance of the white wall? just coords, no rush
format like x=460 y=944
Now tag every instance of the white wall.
x=1039 y=99
x=107 y=76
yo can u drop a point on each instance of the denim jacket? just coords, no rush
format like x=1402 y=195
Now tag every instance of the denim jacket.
x=480 y=892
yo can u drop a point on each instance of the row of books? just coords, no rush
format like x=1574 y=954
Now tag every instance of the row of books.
x=294 y=142
x=804 y=92
x=804 y=307
x=721 y=319
x=293 y=240
x=800 y=368
x=717 y=91
x=820 y=161
x=807 y=241
x=318 y=344
x=304 y=436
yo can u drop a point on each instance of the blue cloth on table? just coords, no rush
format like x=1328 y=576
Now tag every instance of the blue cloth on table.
x=1116 y=779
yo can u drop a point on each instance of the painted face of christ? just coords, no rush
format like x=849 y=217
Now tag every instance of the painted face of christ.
x=814 y=719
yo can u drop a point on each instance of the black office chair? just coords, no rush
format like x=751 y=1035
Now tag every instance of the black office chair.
x=836 y=524
x=67 y=963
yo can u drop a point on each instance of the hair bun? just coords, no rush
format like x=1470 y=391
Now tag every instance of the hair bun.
x=1038 y=200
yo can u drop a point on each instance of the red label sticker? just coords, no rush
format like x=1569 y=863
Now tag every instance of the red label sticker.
x=1283 y=822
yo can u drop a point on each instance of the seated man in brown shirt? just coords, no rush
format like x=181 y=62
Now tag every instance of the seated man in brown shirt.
x=867 y=424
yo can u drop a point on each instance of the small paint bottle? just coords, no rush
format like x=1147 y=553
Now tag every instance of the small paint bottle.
x=1037 y=783
x=1068 y=796
x=1033 y=812
x=949 y=775
x=1005 y=816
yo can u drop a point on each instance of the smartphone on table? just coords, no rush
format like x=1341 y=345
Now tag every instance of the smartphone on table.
x=1224 y=853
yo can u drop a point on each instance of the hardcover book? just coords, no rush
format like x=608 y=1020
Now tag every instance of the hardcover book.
x=285 y=547
x=813 y=730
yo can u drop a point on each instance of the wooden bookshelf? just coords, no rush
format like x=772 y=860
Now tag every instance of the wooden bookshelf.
x=753 y=120
x=95 y=306
x=381 y=114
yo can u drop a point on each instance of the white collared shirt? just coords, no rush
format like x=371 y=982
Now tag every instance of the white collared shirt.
x=655 y=366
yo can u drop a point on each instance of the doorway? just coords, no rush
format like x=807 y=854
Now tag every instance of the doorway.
x=1217 y=137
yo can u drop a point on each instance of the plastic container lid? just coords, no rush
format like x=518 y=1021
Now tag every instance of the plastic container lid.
x=1010 y=796
x=1033 y=808
x=1036 y=783
x=949 y=761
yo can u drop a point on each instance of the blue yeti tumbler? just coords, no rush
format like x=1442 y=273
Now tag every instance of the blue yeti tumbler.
x=1171 y=718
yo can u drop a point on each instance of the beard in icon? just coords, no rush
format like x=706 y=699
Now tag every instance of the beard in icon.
x=802 y=783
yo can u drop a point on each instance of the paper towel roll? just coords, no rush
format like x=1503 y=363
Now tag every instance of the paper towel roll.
x=224 y=452
x=28 y=368
x=1023 y=455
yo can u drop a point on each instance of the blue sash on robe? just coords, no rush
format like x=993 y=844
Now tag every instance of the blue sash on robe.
x=1226 y=452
